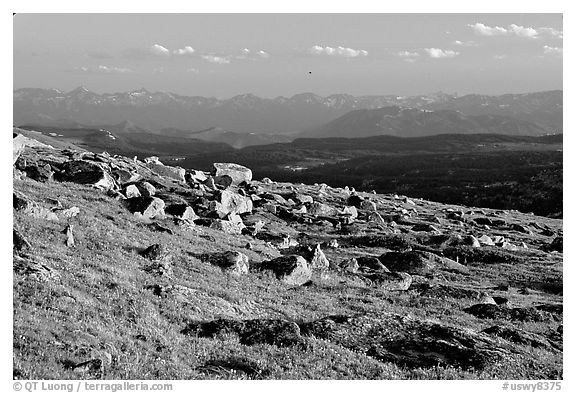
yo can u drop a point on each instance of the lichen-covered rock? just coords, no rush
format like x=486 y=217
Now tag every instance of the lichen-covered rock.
x=86 y=172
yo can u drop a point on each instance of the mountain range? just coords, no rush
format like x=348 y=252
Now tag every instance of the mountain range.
x=300 y=115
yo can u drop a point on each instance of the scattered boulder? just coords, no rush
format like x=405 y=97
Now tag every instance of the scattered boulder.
x=131 y=191
x=232 y=225
x=389 y=281
x=146 y=207
x=320 y=209
x=234 y=203
x=518 y=336
x=350 y=265
x=154 y=164
x=413 y=262
x=238 y=173
x=69 y=236
x=371 y=263
x=318 y=261
x=290 y=269
x=85 y=172
x=70 y=212
x=146 y=189
x=278 y=332
x=493 y=311
x=233 y=262
x=182 y=211
x=409 y=342
x=223 y=181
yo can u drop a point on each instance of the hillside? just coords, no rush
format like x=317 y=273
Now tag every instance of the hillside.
x=407 y=122
x=130 y=269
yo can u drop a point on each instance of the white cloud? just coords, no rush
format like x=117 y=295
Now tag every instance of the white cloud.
x=339 y=51
x=500 y=57
x=193 y=70
x=465 y=43
x=245 y=51
x=437 y=53
x=521 y=31
x=410 y=57
x=515 y=30
x=216 y=59
x=159 y=50
x=263 y=54
x=187 y=50
x=102 y=69
x=482 y=29
x=553 y=50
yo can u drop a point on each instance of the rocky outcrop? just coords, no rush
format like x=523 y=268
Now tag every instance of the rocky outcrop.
x=145 y=207
x=237 y=173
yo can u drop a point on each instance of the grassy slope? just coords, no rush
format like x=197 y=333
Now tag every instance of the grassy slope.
x=99 y=303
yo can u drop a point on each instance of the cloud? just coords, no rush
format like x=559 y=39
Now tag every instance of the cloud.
x=465 y=43
x=437 y=53
x=216 y=59
x=159 y=50
x=262 y=54
x=102 y=69
x=500 y=57
x=187 y=50
x=410 y=57
x=193 y=70
x=515 y=30
x=553 y=50
x=339 y=51
x=482 y=29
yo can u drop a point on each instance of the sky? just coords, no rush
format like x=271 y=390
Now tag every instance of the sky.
x=270 y=55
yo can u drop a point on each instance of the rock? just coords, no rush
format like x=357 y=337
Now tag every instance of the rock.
x=277 y=332
x=371 y=263
x=131 y=191
x=267 y=180
x=301 y=210
x=487 y=299
x=234 y=262
x=320 y=209
x=233 y=225
x=389 y=281
x=85 y=172
x=182 y=211
x=69 y=236
x=156 y=252
x=146 y=189
x=223 y=181
x=493 y=311
x=19 y=242
x=319 y=260
x=237 y=173
x=424 y=228
x=290 y=269
x=234 y=203
x=195 y=176
x=355 y=200
x=556 y=245
x=408 y=341
x=349 y=211
x=518 y=336
x=471 y=241
x=519 y=228
x=41 y=173
x=396 y=242
x=486 y=240
x=413 y=262
x=302 y=199
x=71 y=212
x=171 y=172
x=368 y=205
x=31 y=208
x=350 y=265
x=147 y=207
x=18 y=146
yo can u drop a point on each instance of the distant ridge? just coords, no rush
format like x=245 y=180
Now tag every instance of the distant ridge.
x=248 y=113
